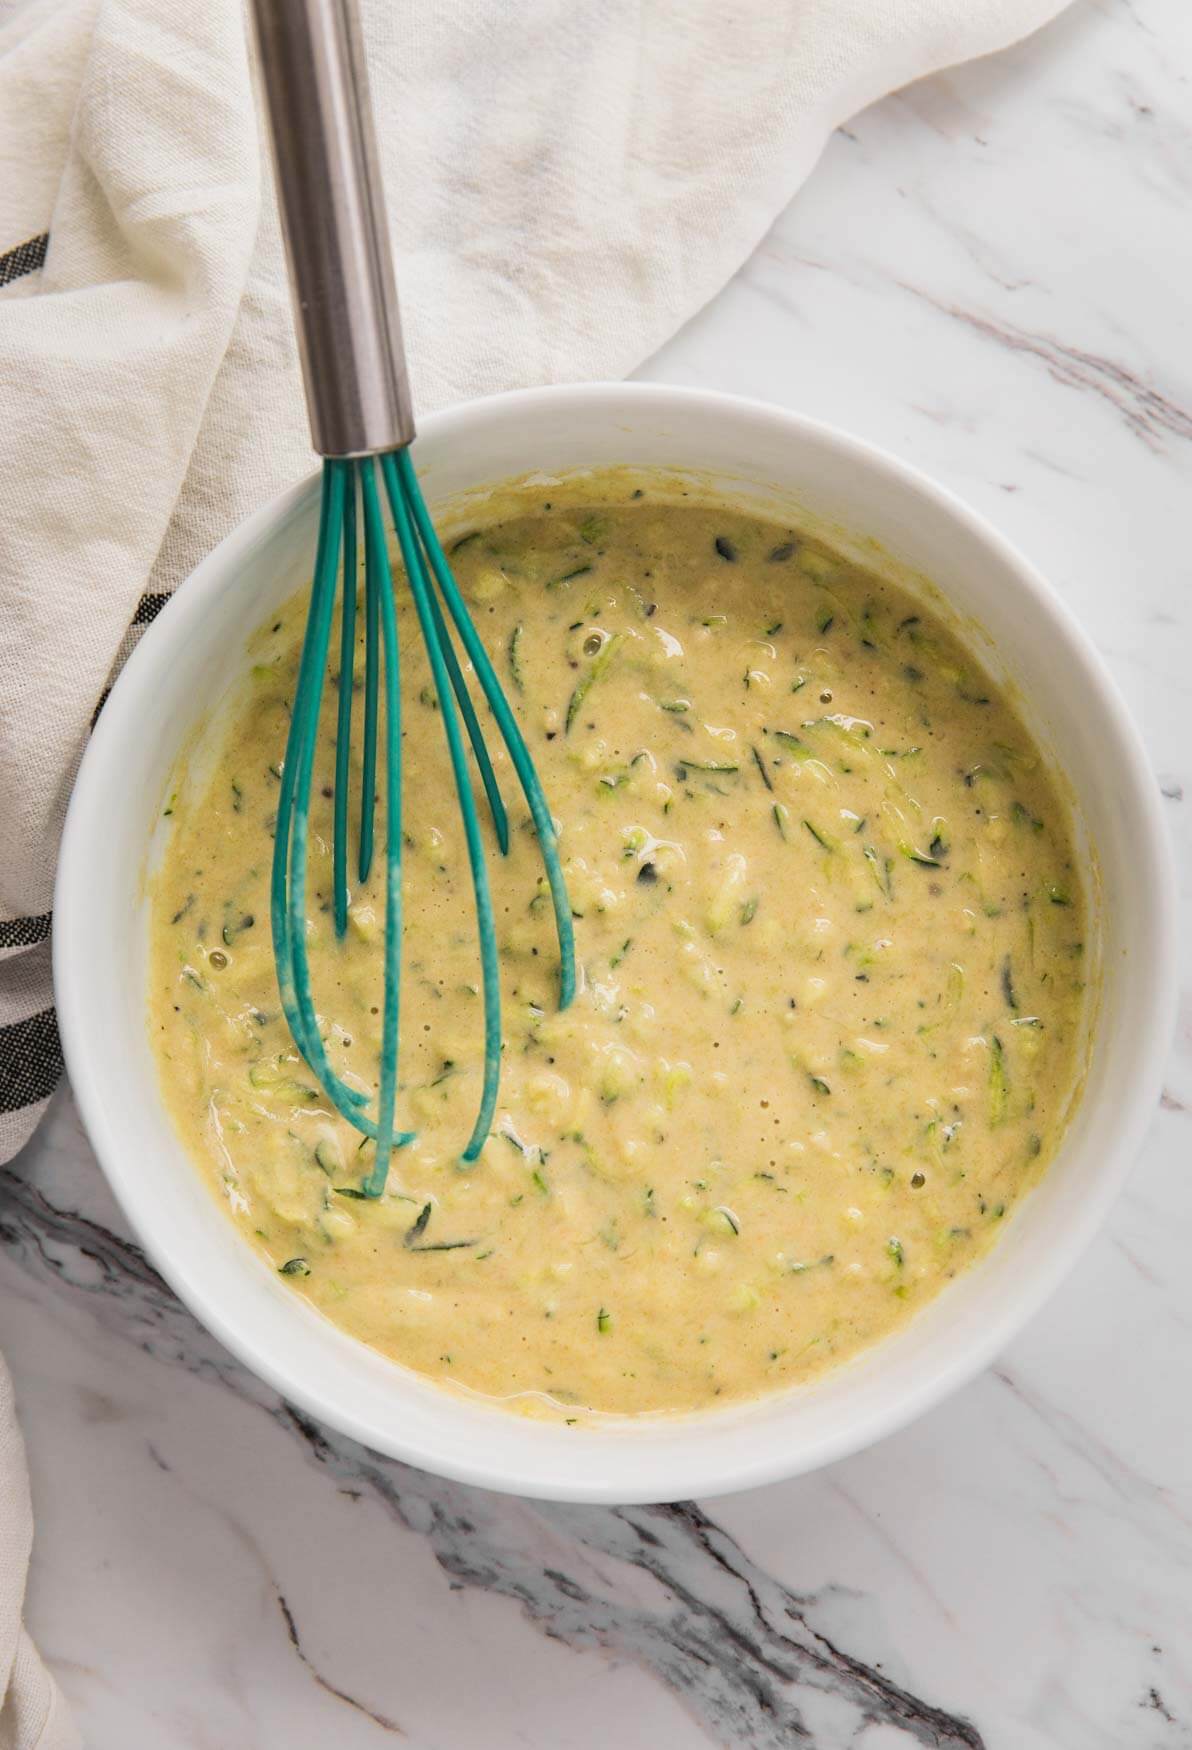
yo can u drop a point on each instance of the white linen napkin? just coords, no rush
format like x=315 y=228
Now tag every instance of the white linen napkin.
x=567 y=184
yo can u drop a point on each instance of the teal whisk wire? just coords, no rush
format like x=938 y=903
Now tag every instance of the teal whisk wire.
x=519 y=753
x=372 y=652
x=471 y=723
x=288 y=885
x=376 y=555
x=349 y=333
x=351 y=520
x=343 y=723
x=420 y=586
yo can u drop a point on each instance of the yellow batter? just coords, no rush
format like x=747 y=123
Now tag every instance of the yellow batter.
x=832 y=998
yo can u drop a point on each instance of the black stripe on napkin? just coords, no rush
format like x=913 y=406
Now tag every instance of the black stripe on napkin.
x=24 y=932
x=148 y=608
x=25 y=258
x=30 y=1050
x=30 y=1061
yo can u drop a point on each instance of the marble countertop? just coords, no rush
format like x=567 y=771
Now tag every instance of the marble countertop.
x=988 y=274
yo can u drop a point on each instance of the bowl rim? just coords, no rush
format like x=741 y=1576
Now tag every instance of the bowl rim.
x=752 y=1467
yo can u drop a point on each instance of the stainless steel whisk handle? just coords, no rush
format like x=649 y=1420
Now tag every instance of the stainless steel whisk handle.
x=333 y=220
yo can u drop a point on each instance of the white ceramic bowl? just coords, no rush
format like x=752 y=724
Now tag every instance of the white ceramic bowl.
x=182 y=665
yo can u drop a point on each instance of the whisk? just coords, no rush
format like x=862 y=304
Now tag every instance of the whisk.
x=357 y=391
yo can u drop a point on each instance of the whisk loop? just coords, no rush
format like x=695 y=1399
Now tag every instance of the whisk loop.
x=351 y=507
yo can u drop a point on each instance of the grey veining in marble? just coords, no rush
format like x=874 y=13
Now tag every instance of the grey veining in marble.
x=744 y=1653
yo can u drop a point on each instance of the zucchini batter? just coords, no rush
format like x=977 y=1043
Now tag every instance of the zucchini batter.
x=832 y=1008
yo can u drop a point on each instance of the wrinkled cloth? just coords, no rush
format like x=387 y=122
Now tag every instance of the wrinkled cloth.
x=32 y=1712
x=567 y=185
